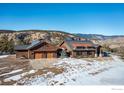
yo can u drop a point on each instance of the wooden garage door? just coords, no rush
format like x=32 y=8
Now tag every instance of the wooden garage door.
x=38 y=55
x=49 y=55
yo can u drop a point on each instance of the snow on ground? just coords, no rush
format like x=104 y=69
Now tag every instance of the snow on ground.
x=82 y=72
x=3 y=56
x=115 y=76
x=27 y=73
x=19 y=76
x=16 y=77
x=12 y=72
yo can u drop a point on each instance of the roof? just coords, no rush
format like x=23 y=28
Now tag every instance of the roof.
x=26 y=47
x=21 y=47
x=79 y=41
x=34 y=44
x=50 y=48
x=73 y=44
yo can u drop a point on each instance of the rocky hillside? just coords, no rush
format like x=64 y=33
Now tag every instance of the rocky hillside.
x=57 y=36
x=29 y=35
x=112 y=41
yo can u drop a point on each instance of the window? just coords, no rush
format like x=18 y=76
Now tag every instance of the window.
x=80 y=47
x=91 y=47
x=79 y=53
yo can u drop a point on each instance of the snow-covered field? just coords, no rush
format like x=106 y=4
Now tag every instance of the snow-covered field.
x=82 y=72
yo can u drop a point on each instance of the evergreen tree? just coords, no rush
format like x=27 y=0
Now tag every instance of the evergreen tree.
x=6 y=45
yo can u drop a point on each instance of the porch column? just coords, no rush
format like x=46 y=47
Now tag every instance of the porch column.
x=96 y=52
x=100 y=54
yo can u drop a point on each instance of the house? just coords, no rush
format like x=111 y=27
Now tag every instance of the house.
x=36 y=50
x=69 y=48
x=81 y=48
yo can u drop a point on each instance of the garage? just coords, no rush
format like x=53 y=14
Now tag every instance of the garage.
x=50 y=55
x=38 y=55
x=37 y=50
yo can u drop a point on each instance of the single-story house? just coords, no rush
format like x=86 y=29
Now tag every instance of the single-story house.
x=36 y=50
x=69 y=48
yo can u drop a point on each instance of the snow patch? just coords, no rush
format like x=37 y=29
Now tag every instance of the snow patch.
x=3 y=56
x=27 y=73
x=15 y=78
x=12 y=72
x=19 y=76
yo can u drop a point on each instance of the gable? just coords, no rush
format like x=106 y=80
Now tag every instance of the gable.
x=65 y=45
x=38 y=47
x=45 y=47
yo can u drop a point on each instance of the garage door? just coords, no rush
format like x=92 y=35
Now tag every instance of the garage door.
x=49 y=55
x=38 y=55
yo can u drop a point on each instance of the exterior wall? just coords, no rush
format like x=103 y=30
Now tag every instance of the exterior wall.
x=31 y=54
x=40 y=49
x=46 y=54
x=83 y=54
x=73 y=54
x=22 y=53
x=54 y=54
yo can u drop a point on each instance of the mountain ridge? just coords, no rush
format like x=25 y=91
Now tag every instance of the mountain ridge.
x=86 y=36
x=99 y=36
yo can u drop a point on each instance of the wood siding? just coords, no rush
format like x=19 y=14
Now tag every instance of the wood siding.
x=22 y=53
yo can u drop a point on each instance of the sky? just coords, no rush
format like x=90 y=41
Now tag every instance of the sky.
x=106 y=19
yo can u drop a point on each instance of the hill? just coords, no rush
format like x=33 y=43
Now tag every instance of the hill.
x=99 y=37
x=28 y=35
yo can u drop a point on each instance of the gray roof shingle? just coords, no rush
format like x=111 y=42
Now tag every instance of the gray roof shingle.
x=21 y=47
x=26 y=47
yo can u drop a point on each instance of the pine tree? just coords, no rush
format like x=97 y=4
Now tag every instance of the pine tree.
x=6 y=45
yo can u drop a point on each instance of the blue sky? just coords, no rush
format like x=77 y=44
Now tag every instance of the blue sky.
x=107 y=19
